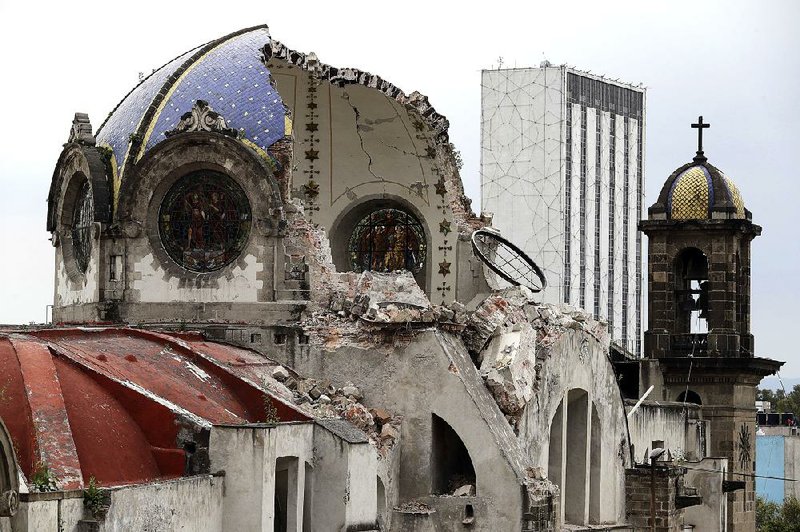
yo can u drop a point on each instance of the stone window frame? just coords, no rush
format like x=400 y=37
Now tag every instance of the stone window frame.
x=69 y=203
x=215 y=176
x=142 y=194
x=344 y=224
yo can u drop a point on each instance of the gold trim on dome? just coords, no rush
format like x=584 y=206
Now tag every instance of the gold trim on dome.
x=690 y=196
x=736 y=197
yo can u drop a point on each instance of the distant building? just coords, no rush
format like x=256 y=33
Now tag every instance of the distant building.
x=562 y=171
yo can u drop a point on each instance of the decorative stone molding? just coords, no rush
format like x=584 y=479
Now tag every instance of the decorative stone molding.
x=202 y=118
x=81 y=131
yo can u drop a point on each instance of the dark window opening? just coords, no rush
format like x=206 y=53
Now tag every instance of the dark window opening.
x=285 y=512
x=302 y=339
x=691 y=291
x=279 y=338
x=255 y=338
x=451 y=465
x=689 y=396
x=82 y=218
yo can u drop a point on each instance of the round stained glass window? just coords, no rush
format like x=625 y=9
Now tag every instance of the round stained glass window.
x=204 y=221
x=387 y=240
x=82 y=218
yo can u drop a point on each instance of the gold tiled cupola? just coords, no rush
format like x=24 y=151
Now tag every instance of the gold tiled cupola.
x=699 y=191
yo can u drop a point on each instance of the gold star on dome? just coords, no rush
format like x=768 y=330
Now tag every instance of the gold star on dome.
x=312 y=154
x=444 y=227
x=444 y=268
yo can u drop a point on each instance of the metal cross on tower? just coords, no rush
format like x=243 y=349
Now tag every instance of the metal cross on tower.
x=700 y=126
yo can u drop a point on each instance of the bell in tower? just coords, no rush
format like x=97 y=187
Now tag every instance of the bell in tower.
x=698 y=346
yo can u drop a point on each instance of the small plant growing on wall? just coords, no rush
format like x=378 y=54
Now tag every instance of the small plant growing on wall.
x=95 y=500
x=43 y=479
x=270 y=412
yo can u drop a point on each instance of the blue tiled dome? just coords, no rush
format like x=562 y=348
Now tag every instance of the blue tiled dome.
x=228 y=73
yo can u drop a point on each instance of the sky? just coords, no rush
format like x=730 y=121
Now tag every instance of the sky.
x=734 y=62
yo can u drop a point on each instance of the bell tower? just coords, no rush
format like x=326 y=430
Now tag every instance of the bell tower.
x=698 y=337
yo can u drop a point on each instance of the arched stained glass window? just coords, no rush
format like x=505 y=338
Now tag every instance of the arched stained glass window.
x=387 y=240
x=82 y=219
x=204 y=221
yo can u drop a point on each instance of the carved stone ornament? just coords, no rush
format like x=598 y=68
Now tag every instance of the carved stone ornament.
x=81 y=131
x=202 y=118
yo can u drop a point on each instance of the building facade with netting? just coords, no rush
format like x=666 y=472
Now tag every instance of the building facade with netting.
x=562 y=172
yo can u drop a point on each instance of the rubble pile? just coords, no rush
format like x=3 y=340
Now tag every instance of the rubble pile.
x=509 y=337
x=321 y=399
x=414 y=507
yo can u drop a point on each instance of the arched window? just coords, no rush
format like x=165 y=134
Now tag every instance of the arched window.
x=82 y=218
x=689 y=396
x=204 y=221
x=387 y=240
x=691 y=291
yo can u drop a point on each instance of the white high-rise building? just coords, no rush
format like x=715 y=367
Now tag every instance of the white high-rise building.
x=562 y=171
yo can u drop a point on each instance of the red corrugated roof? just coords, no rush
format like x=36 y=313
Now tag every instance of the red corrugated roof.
x=110 y=402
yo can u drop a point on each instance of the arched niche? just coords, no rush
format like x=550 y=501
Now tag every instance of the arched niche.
x=576 y=460
x=451 y=464
x=383 y=233
x=9 y=481
x=689 y=396
x=691 y=291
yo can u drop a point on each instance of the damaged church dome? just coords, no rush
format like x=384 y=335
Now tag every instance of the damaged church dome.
x=223 y=78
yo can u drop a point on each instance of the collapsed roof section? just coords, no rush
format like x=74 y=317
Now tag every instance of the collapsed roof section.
x=125 y=405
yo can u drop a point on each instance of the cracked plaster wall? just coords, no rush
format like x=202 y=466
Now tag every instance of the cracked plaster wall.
x=193 y=503
x=355 y=144
x=154 y=285
x=76 y=290
x=572 y=358
x=432 y=373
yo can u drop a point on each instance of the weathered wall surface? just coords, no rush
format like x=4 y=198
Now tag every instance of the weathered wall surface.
x=192 y=503
x=358 y=148
x=572 y=354
x=706 y=475
x=49 y=512
x=416 y=377
x=676 y=425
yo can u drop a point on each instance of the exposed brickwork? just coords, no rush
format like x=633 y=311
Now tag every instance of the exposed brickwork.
x=640 y=485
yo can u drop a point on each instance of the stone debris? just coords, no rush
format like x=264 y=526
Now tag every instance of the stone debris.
x=467 y=490
x=501 y=308
x=321 y=399
x=414 y=507
x=280 y=374
x=508 y=367
x=509 y=336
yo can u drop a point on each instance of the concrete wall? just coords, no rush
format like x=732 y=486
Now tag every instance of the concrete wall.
x=706 y=475
x=191 y=503
x=433 y=374
x=676 y=425
x=49 y=512
x=771 y=460
x=577 y=361
x=341 y=480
